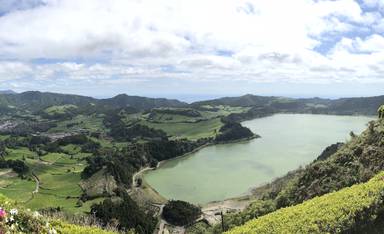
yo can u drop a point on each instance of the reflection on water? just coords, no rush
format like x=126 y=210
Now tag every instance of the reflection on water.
x=223 y=171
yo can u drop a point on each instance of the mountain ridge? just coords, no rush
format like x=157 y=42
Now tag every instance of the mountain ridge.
x=37 y=101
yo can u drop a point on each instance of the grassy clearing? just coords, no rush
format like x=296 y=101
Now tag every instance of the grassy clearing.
x=59 y=176
x=222 y=111
x=20 y=153
x=63 y=109
x=71 y=149
x=4 y=137
x=18 y=189
x=92 y=123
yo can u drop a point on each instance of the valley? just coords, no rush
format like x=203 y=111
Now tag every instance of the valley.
x=76 y=155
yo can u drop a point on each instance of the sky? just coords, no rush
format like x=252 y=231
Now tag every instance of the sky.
x=193 y=49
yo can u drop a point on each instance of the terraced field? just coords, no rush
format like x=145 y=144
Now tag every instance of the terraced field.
x=57 y=175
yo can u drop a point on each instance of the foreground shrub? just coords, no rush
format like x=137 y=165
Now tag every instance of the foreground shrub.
x=344 y=211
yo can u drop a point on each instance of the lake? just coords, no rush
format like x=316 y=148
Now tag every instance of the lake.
x=223 y=171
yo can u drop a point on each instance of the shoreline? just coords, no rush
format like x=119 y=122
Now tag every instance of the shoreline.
x=142 y=171
x=247 y=196
x=255 y=136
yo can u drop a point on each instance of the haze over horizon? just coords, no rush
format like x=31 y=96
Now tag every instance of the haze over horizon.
x=193 y=50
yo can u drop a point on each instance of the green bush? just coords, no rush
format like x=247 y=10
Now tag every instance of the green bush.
x=254 y=210
x=336 y=212
x=180 y=213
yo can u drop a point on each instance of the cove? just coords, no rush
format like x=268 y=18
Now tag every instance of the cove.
x=224 y=171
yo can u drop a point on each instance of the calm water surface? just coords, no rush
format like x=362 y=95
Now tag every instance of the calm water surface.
x=223 y=171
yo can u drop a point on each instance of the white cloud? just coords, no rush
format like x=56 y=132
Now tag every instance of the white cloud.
x=116 y=41
x=373 y=3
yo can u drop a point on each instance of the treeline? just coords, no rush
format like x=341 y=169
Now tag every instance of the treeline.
x=42 y=144
x=252 y=113
x=123 y=163
x=87 y=145
x=120 y=131
x=184 y=112
x=17 y=166
x=28 y=127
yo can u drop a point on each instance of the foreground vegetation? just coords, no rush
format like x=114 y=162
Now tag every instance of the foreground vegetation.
x=348 y=210
x=16 y=219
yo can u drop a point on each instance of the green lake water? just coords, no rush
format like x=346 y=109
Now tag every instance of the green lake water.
x=229 y=170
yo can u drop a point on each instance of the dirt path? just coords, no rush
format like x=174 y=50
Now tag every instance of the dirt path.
x=137 y=174
x=37 y=183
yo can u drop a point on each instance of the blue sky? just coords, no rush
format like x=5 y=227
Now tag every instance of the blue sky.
x=193 y=49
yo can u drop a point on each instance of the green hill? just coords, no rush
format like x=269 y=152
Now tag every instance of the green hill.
x=349 y=210
x=34 y=101
x=271 y=104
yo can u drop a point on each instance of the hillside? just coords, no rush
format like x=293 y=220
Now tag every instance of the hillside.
x=245 y=100
x=7 y=91
x=350 y=210
x=34 y=101
x=140 y=103
x=268 y=105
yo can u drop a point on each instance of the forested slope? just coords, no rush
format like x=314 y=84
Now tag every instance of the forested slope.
x=351 y=210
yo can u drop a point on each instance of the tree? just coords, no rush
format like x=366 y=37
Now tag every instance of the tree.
x=180 y=213
x=381 y=111
x=126 y=212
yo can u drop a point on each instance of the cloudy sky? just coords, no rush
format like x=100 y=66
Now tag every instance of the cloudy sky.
x=193 y=49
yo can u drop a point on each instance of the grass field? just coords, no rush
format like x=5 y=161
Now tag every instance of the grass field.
x=59 y=176
x=92 y=123
x=17 y=189
x=59 y=109
x=20 y=153
x=193 y=128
